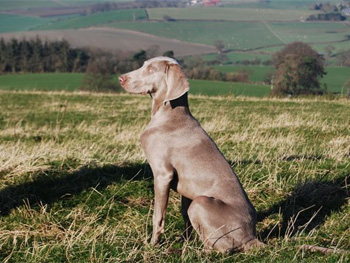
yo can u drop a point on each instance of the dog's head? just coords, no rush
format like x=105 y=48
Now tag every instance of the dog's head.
x=162 y=77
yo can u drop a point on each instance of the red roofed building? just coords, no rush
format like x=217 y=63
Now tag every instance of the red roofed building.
x=211 y=2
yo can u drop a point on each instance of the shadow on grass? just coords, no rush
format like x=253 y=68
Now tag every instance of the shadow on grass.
x=307 y=206
x=56 y=184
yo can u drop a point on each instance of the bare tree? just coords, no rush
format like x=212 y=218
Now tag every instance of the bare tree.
x=219 y=45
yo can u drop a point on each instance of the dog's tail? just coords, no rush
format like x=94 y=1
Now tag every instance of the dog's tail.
x=253 y=244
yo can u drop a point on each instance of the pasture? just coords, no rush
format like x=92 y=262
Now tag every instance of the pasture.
x=334 y=80
x=247 y=35
x=280 y=4
x=25 y=4
x=75 y=187
x=43 y=82
x=113 y=39
x=95 y=19
x=71 y=82
x=15 y=23
x=236 y=36
x=229 y=14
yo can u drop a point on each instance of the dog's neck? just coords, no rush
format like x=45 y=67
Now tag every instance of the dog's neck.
x=181 y=101
x=170 y=105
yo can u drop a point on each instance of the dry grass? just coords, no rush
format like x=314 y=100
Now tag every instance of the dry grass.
x=74 y=186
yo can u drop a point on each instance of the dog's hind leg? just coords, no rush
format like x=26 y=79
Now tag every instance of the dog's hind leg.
x=221 y=227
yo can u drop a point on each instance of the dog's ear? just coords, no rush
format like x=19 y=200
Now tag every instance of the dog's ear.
x=177 y=82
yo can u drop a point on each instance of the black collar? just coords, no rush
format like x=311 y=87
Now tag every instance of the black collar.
x=181 y=101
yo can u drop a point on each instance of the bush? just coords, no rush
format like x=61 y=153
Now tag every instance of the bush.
x=99 y=77
x=97 y=82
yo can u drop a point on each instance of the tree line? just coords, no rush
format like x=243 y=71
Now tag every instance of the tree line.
x=36 y=55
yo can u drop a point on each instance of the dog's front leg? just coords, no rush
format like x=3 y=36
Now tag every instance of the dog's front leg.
x=161 y=191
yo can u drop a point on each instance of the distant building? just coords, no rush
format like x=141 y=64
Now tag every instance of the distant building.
x=211 y=2
x=195 y=2
x=205 y=2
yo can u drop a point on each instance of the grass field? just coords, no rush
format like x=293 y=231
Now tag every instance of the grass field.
x=74 y=185
x=43 y=82
x=71 y=82
x=311 y=32
x=257 y=73
x=335 y=79
x=217 y=88
x=96 y=19
x=240 y=56
x=25 y=4
x=14 y=23
x=229 y=14
x=237 y=35
x=276 y=4
x=245 y=35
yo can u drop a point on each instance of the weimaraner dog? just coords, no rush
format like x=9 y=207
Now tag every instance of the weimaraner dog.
x=183 y=157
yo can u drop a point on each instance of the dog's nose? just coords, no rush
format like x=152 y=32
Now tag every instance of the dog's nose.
x=122 y=79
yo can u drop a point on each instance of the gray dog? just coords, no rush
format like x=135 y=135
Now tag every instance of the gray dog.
x=183 y=157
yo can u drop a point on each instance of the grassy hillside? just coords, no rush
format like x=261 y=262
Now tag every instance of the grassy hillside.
x=71 y=82
x=74 y=185
x=335 y=79
x=96 y=19
x=257 y=73
x=310 y=32
x=24 y=4
x=229 y=14
x=246 y=35
x=236 y=35
x=216 y=88
x=276 y=4
x=15 y=23
x=47 y=81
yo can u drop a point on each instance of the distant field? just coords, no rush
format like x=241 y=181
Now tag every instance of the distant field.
x=235 y=35
x=47 y=81
x=257 y=73
x=334 y=80
x=71 y=82
x=24 y=4
x=96 y=19
x=311 y=32
x=275 y=4
x=244 y=35
x=215 y=88
x=229 y=14
x=15 y=23
x=113 y=39
x=240 y=56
